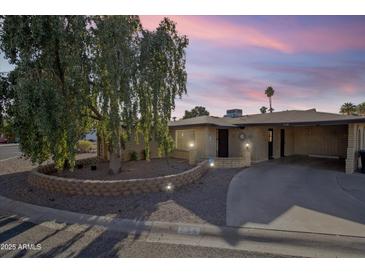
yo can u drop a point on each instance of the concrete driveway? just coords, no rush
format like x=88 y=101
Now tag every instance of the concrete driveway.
x=287 y=195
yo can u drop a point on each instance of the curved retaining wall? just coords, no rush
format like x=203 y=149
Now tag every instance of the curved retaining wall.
x=40 y=177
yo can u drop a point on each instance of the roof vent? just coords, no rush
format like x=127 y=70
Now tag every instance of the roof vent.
x=233 y=113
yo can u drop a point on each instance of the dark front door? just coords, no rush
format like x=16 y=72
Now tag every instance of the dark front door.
x=271 y=143
x=222 y=142
x=282 y=142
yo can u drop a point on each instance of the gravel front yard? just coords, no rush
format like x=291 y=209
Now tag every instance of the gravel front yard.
x=130 y=170
x=204 y=202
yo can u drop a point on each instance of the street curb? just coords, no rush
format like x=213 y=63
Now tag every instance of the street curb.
x=249 y=239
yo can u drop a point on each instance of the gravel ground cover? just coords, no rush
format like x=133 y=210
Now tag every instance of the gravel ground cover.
x=130 y=170
x=203 y=202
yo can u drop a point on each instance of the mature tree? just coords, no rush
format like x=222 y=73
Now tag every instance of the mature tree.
x=269 y=93
x=195 y=112
x=162 y=77
x=348 y=108
x=263 y=109
x=116 y=52
x=52 y=106
x=78 y=72
x=361 y=109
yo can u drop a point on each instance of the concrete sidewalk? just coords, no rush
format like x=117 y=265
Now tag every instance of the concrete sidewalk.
x=255 y=240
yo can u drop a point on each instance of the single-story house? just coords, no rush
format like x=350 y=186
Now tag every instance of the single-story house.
x=273 y=135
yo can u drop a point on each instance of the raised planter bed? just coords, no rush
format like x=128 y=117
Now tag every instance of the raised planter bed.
x=42 y=177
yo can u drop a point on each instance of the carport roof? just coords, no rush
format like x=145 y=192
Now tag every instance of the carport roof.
x=285 y=118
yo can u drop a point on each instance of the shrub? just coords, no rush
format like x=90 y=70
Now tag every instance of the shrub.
x=84 y=146
x=133 y=156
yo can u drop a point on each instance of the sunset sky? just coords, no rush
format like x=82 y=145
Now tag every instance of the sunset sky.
x=310 y=61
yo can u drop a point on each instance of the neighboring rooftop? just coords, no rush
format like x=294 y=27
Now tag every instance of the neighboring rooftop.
x=288 y=117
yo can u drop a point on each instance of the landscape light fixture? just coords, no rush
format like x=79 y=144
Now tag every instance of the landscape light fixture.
x=169 y=187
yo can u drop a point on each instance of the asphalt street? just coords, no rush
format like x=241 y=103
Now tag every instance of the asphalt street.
x=9 y=151
x=20 y=238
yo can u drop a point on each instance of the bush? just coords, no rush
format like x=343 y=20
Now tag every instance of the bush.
x=133 y=156
x=84 y=146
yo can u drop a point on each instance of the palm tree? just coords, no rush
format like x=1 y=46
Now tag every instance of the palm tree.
x=263 y=109
x=269 y=93
x=348 y=108
x=361 y=109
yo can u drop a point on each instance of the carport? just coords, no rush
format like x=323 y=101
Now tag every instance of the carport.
x=306 y=133
x=317 y=143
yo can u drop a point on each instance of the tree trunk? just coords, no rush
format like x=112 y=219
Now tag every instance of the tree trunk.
x=115 y=163
x=270 y=104
x=115 y=160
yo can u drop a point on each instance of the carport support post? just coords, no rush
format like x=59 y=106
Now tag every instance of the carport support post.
x=351 y=153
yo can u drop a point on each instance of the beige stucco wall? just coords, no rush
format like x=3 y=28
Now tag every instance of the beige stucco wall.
x=205 y=140
x=256 y=137
x=235 y=144
x=356 y=141
x=321 y=140
x=132 y=145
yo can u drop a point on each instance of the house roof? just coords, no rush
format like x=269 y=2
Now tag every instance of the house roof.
x=286 y=118
x=203 y=121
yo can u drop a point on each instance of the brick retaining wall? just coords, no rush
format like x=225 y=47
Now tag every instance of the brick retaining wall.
x=40 y=177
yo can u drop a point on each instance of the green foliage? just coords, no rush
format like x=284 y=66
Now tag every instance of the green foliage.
x=352 y=109
x=348 y=108
x=263 y=109
x=51 y=91
x=361 y=109
x=133 y=156
x=116 y=57
x=195 y=112
x=74 y=73
x=270 y=93
x=84 y=146
x=162 y=78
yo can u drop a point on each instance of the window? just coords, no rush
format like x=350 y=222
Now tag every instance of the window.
x=185 y=139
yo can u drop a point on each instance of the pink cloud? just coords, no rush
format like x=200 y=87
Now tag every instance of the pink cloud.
x=297 y=38
x=219 y=32
x=326 y=39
